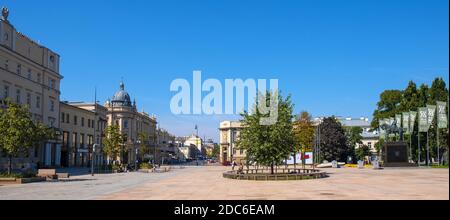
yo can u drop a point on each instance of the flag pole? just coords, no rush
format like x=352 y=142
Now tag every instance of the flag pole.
x=418 y=146
x=437 y=134
x=428 y=150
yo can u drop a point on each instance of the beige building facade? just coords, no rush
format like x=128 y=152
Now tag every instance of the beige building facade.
x=29 y=75
x=229 y=134
x=82 y=126
x=131 y=122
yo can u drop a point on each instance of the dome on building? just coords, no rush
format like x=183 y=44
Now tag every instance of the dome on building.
x=121 y=98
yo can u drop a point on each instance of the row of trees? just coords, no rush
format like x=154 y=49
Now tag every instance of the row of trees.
x=394 y=102
x=19 y=134
x=114 y=142
x=271 y=145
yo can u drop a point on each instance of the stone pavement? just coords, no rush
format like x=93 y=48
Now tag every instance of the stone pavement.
x=343 y=184
x=207 y=183
x=84 y=187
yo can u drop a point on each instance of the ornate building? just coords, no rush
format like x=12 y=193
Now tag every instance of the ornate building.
x=29 y=75
x=131 y=122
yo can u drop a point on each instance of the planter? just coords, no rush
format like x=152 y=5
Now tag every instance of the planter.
x=22 y=180
x=282 y=174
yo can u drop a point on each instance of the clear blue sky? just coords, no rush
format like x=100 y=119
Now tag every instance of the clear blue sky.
x=334 y=57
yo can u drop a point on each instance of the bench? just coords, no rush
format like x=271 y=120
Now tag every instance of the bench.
x=47 y=173
x=63 y=175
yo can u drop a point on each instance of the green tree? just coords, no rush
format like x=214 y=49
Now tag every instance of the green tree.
x=303 y=131
x=437 y=92
x=216 y=151
x=333 y=141
x=18 y=132
x=378 y=146
x=424 y=95
x=410 y=98
x=354 y=137
x=387 y=107
x=268 y=145
x=362 y=152
x=143 y=145
x=112 y=141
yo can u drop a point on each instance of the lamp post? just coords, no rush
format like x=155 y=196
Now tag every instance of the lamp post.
x=136 y=156
x=94 y=148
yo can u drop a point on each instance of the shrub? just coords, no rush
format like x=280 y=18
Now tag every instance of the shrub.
x=26 y=174
x=145 y=166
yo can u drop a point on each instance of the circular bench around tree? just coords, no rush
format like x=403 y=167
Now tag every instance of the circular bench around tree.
x=279 y=174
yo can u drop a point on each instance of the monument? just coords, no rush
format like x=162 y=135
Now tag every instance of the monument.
x=395 y=153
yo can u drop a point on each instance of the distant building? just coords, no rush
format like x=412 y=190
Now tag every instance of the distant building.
x=229 y=134
x=166 y=146
x=209 y=146
x=197 y=142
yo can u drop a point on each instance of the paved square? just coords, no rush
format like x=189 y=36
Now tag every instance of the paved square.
x=207 y=183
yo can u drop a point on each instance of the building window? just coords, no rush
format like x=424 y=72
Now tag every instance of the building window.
x=82 y=122
x=75 y=120
x=51 y=121
x=18 y=96
x=52 y=61
x=369 y=144
x=29 y=99
x=51 y=83
x=125 y=124
x=38 y=102
x=29 y=74
x=90 y=140
x=65 y=142
x=5 y=92
x=6 y=65
x=39 y=77
x=52 y=105
x=19 y=69
x=74 y=140
x=62 y=117
x=67 y=118
x=82 y=141
x=89 y=123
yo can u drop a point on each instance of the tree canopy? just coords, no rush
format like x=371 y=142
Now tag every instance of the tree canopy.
x=333 y=141
x=268 y=145
x=111 y=142
x=410 y=99
x=18 y=132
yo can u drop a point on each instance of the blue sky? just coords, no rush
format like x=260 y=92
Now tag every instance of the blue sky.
x=333 y=57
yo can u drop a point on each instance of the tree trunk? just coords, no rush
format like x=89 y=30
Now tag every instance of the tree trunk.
x=9 y=164
x=303 y=159
x=271 y=168
x=295 y=161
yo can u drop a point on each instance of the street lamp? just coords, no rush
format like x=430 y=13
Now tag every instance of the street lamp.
x=136 y=157
x=94 y=148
